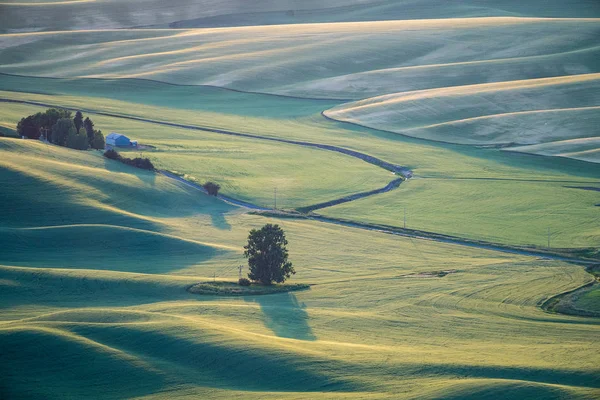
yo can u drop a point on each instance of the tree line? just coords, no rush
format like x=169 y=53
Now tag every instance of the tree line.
x=58 y=126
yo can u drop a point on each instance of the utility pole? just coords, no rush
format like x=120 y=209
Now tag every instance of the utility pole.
x=404 y=217
x=240 y=271
x=275 y=197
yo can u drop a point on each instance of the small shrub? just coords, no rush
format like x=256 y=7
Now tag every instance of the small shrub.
x=142 y=163
x=112 y=154
x=244 y=282
x=212 y=188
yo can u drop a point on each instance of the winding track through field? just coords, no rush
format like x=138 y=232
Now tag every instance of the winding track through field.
x=410 y=233
x=398 y=169
x=405 y=172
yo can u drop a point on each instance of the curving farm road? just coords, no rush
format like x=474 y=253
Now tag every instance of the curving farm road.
x=397 y=169
x=403 y=171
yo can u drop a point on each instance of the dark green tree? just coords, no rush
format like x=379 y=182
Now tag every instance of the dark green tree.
x=78 y=120
x=77 y=141
x=212 y=188
x=98 y=143
x=61 y=130
x=27 y=127
x=88 y=125
x=267 y=255
x=50 y=118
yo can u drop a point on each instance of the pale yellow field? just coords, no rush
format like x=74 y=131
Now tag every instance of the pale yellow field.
x=528 y=112
x=280 y=59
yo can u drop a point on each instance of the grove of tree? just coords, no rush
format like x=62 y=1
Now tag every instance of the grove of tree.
x=59 y=127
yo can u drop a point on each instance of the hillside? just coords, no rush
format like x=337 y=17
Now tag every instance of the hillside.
x=434 y=164
x=148 y=337
x=52 y=15
x=492 y=81
x=527 y=112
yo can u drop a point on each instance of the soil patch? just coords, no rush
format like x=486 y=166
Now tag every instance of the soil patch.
x=431 y=274
x=595 y=189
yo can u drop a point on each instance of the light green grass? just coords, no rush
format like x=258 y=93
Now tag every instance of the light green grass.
x=246 y=169
x=590 y=301
x=158 y=94
x=586 y=149
x=367 y=328
x=96 y=257
x=508 y=211
x=511 y=212
x=423 y=157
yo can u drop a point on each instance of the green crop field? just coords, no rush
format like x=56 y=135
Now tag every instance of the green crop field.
x=121 y=283
x=371 y=326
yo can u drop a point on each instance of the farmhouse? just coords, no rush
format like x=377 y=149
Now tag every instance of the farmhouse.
x=119 y=140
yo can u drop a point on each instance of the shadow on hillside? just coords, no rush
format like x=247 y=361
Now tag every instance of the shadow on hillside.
x=148 y=177
x=520 y=375
x=218 y=220
x=111 y=248
x=285 y=316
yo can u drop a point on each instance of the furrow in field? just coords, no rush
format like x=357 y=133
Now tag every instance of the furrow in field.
x=357 y=59
x=533 y=112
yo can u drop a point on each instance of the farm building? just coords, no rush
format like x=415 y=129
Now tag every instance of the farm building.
x=119 y=140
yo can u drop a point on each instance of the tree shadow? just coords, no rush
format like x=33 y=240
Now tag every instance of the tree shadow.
x=148 y=177
x=218 y=220
x=285 y=316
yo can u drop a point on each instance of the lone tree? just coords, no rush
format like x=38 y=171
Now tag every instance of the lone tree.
x=268 y=256
x=212 y=188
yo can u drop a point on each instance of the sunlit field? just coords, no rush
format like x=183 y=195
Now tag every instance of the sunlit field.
x=448 y=152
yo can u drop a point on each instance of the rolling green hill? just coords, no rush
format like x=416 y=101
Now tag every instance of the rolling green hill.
x=492 y=81
x=490 y=108
x=373 y=325
x=459 y=190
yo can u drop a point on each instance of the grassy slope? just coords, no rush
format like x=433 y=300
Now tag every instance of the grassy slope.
x=19 y=15
x=510 y=212
x=484 y=88
x=364 y=327
x=246 y=169
x=571 y=214
x=395 y=56
x=509 y=113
